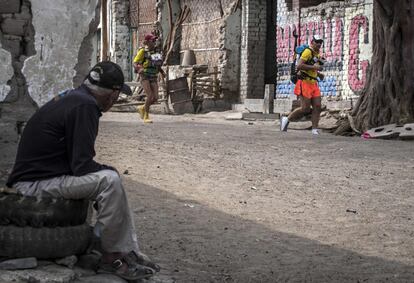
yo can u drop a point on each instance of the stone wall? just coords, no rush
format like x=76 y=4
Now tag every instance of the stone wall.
x=346 y=27
x=46 y=48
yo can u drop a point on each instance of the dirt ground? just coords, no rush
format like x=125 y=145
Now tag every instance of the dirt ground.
x=238 y=201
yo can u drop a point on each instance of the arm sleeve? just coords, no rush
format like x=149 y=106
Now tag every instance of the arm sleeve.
x=139 y=58
x=82 y=125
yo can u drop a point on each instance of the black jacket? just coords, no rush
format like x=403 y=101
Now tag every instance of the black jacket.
x=59 y=139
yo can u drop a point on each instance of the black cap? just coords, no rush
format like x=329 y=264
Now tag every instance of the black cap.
x=108 y=75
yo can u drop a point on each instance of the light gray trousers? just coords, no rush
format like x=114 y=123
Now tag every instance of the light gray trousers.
x=114 y=219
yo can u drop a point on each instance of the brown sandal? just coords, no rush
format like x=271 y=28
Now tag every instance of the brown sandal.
x=134 y=271
x=143 y=259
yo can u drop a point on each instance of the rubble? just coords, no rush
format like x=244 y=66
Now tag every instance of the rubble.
x=68 y=261
x=19 y=263
x=51 y=272
x=42 y=274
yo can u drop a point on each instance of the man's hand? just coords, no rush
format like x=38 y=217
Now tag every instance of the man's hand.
x=318 y=68
x=109 y=167
x=322 y=61
x=138 y=68
x=321 y=76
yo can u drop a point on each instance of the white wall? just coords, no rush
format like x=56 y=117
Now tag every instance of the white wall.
x=60 y=28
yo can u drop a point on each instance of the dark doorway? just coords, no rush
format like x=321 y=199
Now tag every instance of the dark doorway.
x=270 y=57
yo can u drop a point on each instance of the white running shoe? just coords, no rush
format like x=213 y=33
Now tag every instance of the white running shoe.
x=315 y=132
x=284 y=122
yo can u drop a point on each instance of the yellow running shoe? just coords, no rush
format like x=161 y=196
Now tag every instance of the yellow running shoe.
x=146 y=118
x=141 y=111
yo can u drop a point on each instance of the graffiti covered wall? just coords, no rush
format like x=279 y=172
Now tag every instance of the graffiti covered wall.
x=346 y=27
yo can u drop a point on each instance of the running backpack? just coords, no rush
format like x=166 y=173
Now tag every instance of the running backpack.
x=297 y=75
x=155 y=59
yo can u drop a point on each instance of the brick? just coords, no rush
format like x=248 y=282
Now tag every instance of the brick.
x=13 y=46
x=14 y=27
x=24 y=14
x=10 y=6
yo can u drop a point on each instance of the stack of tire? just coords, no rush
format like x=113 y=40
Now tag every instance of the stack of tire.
x=44 y=228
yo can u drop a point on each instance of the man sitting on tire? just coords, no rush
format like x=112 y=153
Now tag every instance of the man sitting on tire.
x=55 y=159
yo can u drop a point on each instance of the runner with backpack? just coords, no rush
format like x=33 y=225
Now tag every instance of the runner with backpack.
x=147 y=64
x=305 y=77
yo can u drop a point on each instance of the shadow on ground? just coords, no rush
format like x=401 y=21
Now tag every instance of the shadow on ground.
x=194 y=243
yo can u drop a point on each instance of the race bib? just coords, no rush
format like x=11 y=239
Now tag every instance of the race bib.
x=156 y=59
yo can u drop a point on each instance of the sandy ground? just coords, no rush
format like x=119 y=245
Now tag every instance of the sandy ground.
x=238 y=201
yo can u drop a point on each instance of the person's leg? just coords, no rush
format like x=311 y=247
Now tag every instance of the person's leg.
x=150 y=95
x=151 y=99
x=154 y=87
x=316 y=111
x=117 y=232
x=304 y=108
x=145 y=83
x=295 y=114
x=305 y=91
x=105 y=187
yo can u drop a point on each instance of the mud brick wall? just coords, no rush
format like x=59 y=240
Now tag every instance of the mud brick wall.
x=45 y=48
x=253 y=48
x=346 y=27
x=213 y=32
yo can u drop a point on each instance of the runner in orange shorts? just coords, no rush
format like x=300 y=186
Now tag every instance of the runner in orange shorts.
x=307 y=87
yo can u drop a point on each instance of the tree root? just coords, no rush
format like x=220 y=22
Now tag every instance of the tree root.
x=344 y=128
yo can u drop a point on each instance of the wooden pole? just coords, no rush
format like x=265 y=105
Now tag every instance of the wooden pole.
x=215 y=82
x=104 y=31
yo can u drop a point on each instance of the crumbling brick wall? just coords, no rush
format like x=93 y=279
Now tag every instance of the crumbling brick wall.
x=346 y=27
x=16 y=44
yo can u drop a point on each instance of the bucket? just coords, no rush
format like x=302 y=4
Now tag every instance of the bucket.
x=188 y=58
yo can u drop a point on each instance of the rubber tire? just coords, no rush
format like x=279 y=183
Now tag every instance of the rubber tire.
x=19 y=210
x=44 y=243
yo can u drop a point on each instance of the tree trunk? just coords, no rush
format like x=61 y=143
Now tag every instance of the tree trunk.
x=388 y=96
